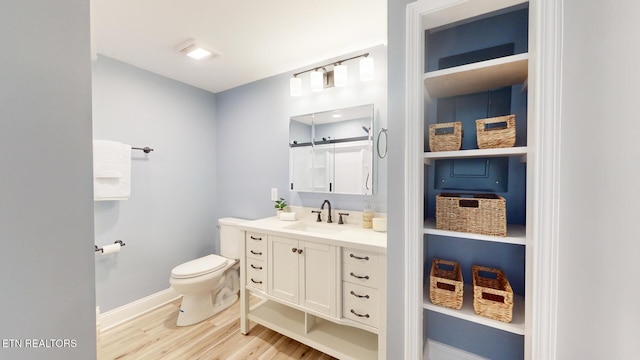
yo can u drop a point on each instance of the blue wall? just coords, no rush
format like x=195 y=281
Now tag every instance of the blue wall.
x=170 y=217
x=253 y=134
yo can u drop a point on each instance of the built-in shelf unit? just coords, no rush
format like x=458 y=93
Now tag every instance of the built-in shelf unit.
x=440 y=34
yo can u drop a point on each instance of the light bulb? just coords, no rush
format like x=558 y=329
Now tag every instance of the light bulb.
x=295 y=86
x=366 y=69
x=340 y=75
x=316 y=81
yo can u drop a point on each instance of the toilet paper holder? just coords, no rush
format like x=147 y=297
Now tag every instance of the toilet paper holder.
x=115 y=242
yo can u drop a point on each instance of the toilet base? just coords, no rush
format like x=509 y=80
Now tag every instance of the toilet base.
x=196 y=308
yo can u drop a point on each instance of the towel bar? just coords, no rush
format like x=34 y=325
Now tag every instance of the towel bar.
x=146 y=149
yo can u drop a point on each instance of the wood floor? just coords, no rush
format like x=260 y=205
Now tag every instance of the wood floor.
x=155 y=336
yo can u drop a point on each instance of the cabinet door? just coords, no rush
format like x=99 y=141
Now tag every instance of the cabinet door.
x=282 y=268
x=318 y=283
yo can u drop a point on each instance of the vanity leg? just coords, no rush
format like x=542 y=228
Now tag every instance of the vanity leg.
x=244 y=294
x=244 y=311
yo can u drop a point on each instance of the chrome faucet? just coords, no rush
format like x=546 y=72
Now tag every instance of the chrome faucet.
x=328 y=211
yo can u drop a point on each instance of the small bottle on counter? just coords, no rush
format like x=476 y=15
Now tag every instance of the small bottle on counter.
x=367 y=216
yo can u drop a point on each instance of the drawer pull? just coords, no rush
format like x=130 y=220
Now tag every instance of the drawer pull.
x=255 y=238
x=256 y=267
x=256 y=282
x=359 y=296
x=359 y=315
x=256 y=253
x=366 y=277
x=366 y=258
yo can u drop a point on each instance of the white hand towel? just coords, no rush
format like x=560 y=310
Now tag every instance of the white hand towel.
x=113 y=187
x=107 y=159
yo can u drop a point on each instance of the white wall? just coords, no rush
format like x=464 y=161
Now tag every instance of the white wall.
x=396 y=11
x=169 y=218
x=598 y=314
x=46 y=211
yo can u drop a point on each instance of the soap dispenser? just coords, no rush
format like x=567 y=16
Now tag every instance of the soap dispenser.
x=367 y=216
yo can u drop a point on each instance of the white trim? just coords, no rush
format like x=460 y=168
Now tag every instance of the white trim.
x=439 y=351
x=134 y=309
x=413 y=232
x=544 y=144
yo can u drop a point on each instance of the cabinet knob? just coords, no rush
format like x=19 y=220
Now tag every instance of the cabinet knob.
x=299 y=251
x=294 y=250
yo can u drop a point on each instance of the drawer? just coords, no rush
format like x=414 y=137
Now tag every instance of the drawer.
x=360 y=303
x=361 y=267
x=256 y=246
x=256 y=273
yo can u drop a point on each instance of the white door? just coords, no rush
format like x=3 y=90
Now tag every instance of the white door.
x=282 y=268
x=318 y=277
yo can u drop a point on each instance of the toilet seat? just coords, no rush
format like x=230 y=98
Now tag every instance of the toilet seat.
x=198 y=267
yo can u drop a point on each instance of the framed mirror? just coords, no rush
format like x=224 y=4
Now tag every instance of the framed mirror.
x=331 y=151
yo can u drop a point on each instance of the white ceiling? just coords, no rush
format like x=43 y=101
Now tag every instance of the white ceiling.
x=257 y=38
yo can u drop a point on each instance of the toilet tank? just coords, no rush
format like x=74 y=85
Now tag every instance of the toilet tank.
x=230 y=237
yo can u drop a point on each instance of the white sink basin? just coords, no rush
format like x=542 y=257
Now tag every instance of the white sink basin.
x=314 y=228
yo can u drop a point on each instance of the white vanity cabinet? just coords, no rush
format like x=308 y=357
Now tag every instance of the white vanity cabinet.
x=303 y=273
x=327 y=291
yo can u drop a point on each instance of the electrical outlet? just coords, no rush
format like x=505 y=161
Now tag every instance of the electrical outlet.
x=274 y=194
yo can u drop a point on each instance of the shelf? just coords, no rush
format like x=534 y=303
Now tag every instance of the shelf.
x=516 y=234
x=476 y=153
x=343 y=342
x=516 y=326
x=477 y=77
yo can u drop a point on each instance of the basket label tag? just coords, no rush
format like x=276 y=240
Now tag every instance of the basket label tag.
x=495 y=126
x=444 y=131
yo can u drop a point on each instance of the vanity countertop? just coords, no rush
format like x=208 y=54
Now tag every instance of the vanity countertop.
x=350 y=234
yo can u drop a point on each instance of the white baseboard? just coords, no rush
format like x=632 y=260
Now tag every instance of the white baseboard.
x=439 y=351
x=134 y=309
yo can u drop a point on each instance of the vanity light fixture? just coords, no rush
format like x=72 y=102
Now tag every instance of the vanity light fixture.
x=196 y=50
x=321 y=78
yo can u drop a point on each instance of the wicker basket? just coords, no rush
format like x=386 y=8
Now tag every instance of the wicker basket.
x=445 y=136
x=472 y=213
x=492 y=297
x=446 y=285
x=496 y=132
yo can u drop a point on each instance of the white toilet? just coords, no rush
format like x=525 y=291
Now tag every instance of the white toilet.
x=210 y=284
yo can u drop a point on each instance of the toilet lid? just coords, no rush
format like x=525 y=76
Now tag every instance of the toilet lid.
x=200 y=266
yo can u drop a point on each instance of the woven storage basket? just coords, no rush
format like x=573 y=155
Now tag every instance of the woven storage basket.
x=473 y=213
x=492 y=297
x=445 y=136
x=446 y=285
x=496 y=132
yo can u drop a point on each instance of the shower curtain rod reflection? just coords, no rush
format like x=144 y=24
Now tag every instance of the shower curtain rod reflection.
x=146 y=149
